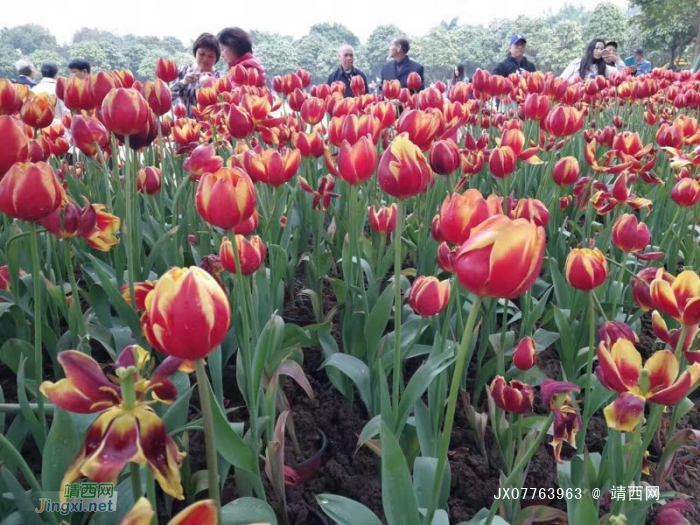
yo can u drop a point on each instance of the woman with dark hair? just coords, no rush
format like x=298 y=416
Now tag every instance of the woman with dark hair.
x=237 y=49
x=458 y=75
x=198 y=74
x=591 y=65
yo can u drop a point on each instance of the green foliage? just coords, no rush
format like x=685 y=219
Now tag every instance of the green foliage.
x=8 y=57
x=57 y=55
x=276 y=51
x=28 y=38
x=608 y=22
x=103 y=55
x=376 y=50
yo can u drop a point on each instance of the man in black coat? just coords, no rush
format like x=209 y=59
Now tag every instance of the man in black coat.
x=346 y=70
x=515 y=62
x=401 y=64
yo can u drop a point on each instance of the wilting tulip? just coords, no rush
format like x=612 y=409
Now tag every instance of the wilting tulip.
x=89 y=134
x=141 y=291
x=166 y=69
x=38 y=110
x=357 y=163
x=403 y=171
x=502 y=257
x=514 y=396
x=148 y=180
x=686 y=192
x=187 y=314
x=384 y=220
x=459 y=214
x=103 y=236
x=225 y=197
x=322 y=196
x=444 y=157
x=566 y=171
x=70 y=220
x=126 y=428
x=679 y=299
x=251 y=254
x=429 y=295
x=567 y=421
x=15 y=147
x=531 y=209
x=525 y=354
x=203 y=159
x=611 y=331
x=30 y=191
x=620 y=370
x=629 y=235
x=202 y=512
x=124 y=111
x=586 y=268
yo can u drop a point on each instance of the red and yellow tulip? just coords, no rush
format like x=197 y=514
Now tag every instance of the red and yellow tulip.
x=429 y=295
x=586 y=268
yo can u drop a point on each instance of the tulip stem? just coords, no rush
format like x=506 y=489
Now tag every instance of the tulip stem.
x=130 y=188
x=135 y=475
x=463 y=357
x=208 y=420
x=36 y=281
x=151 y=493
x=589 y=364
x=520 y=465
x=397 y=304
x=75 y=303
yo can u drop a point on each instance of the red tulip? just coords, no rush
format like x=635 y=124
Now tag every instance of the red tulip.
x=225 y=197
x=403 y=171
x=586 y=268
x=444 y=157
x=515 y=396
x=15 y=144
x=384 y=220
x=251 y=254
x=124 y=111
x=166 y=69
x=30 y=191
x=429 y=296
x=525 y=354
x=148 y=180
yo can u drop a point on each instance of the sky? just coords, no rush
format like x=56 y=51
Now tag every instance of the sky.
x=186 y=19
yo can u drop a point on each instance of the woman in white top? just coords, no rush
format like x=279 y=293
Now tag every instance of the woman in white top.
x=591 y=65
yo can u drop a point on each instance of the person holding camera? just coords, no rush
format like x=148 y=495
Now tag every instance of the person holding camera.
x=198 y=74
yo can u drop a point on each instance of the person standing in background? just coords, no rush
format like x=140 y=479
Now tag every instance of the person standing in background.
x=516 y=61
x=26 y=73
x=49 y=72
x=346 y=70
x=401 y=65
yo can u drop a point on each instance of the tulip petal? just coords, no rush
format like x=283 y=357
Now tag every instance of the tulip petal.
x=64 y=394
x=663 y=296
x=624 y=413
x=160 y=452
x=87 y=377
x=663 y=368
x=199 y=513
x=691 y=312
x=686 y=287
x=673 y=394
x=140 y=514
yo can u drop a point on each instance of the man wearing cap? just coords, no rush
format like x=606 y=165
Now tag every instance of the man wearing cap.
x=611 y=58
x=515 y=62
x=643 y=66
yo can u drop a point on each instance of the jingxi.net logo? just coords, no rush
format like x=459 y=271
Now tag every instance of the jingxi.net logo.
x=81 y=497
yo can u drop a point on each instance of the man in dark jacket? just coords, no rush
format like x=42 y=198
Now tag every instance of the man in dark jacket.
x=346 y=70
x=515 y=62
x=401 y=65
x=26 y=73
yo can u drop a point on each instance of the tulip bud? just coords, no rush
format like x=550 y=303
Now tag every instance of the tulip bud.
x=444 y=157
x=429 y=296
x=391 y=89
x=357 y=85
x=502 y=257
x=248 y=226
x=563 y=121
x=310 y=144
x=502 y=162
x=443 y=258
x=525 y=355
x=459 y=214
x=187 y=314
x=357 y=163
x=15 y=144
x=686 y=192
x=531 y=209
x=38 y=110
x=30 y=191
x=148 y=180
x=421 y=126
x=413 y=82
x=89 y=134
x=611 y=331
x=166 y=69
x=403 y=171
x=124 y=111
x=157 y=94
x=141 y=290
x=629 y=235
x=515 y=396
x=203 y=159
x=384 y=220
x=312 y=110
x=9 y=101
x=586 y=268
x=251 y=254
x=225 y=197
x=239 y=123
x=566 y=171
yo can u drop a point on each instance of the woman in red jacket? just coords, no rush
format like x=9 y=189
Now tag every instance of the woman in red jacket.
x=237 y=49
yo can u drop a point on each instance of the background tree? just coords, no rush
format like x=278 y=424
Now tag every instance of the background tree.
x=438 y=52
x=376 y=50
x=610 y=23
x=8 y=57
x=277 y=52
x=28 y=38
x=560 y=45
